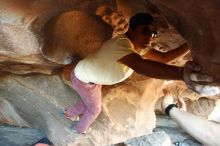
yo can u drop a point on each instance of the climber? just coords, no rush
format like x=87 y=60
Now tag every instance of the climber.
x=204 y=131
x=115 y=61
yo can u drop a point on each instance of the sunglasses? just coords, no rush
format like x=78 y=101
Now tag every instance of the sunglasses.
x=149 y=31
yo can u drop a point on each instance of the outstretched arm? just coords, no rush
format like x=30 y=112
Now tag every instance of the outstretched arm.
x=201 y=129
x=151 y=68
x=189 y=73
x=204 y=131
x=168 y=56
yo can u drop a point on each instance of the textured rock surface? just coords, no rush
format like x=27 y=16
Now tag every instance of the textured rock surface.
x=167 y=133
x=39 y=100
x=29 y=34
x=20 y=26
x=22 y=30
x=214 y=115
x=38 y=105
x=201 y=107
x=8 y=115
x=36 y=38
x=13 y=136
x=154 y=139
x=74 y=32
x=176 y=134
x=200 y=27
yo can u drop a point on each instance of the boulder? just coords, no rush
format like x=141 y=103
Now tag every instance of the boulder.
x=40 y=101
x=15 y=136
x=74 y=32
x=154 y=139
x=200 y=27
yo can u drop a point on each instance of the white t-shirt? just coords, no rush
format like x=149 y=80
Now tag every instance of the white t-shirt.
x=103 y=67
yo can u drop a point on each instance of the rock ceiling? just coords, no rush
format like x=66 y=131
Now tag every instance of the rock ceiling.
x=37 y=39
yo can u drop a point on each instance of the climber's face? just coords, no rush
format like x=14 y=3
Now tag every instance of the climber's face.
x=142 y=35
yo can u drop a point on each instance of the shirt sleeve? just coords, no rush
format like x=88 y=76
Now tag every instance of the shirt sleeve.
x=124 y=47
x=144 y=52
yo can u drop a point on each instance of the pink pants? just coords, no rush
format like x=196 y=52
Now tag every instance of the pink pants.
x=89 y=105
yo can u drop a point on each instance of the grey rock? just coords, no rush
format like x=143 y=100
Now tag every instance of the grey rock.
x=14 y=136
x=176 y=134
x=40 y=100
x=154 y=139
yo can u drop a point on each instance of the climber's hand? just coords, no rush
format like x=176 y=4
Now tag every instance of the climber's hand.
x=193 y=80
